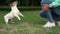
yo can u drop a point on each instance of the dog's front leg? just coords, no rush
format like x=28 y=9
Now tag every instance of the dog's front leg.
x=17 y=16
x=21 y=14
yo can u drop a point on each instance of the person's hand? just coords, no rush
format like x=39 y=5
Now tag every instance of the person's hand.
x=45 y=7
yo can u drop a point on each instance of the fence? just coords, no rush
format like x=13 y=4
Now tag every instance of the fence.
x=22 y=2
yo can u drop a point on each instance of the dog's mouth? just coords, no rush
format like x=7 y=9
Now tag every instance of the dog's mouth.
x=13 y=3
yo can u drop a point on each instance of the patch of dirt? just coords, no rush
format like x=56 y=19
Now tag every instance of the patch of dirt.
x=2 y=30
x=24 y=24
x=32 y=31
x=10 y=29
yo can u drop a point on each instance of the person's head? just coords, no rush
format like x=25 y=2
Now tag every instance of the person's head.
x=13 y=3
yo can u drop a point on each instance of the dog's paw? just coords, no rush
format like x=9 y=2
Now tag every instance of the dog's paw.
x=22 y=16
x=7 y=24
x=19 y=19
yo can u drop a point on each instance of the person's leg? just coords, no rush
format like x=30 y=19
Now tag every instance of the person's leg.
x=58 y=23
x=57 y=14
x=56 y=17
x=42 y=14
x=47 y=14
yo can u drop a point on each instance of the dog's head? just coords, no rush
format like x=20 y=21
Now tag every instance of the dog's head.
x=14 y=3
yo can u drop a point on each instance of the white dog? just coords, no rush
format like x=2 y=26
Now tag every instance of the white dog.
x=14 y=13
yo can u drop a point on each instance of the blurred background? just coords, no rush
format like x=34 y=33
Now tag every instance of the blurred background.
x=22 y=4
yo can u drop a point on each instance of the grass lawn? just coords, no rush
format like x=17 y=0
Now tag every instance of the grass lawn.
x=31 y=23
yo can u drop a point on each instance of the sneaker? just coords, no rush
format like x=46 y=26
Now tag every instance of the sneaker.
x=58 y=23
x=49 y=24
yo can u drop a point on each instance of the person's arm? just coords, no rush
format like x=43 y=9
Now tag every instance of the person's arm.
x=55 y=3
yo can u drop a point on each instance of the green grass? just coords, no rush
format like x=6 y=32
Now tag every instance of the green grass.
x=31 y=23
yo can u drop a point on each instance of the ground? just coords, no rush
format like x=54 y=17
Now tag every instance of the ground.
x=31 y=23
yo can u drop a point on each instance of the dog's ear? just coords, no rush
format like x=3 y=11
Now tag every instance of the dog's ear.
x=10 y=5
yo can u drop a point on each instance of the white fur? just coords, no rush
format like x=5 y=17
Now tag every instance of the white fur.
x=14 y=13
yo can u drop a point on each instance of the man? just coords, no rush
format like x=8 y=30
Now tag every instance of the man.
x=51 y=11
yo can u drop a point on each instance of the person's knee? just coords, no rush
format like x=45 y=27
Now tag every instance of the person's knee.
x=42 y=14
